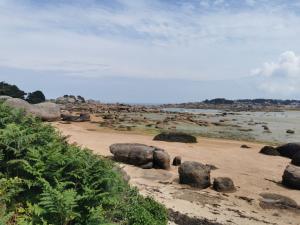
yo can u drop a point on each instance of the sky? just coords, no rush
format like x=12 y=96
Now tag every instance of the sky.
x=152 y=51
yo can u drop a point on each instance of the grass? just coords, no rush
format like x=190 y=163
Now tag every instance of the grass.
x=44 y=180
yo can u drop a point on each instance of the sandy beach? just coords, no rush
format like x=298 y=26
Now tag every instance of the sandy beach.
x=252 y=173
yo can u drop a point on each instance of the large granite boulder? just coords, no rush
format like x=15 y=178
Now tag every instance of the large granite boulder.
x=135 y=154
x=141 y=155
x=291 y=177
x=194 y=174
x=175 y=137
x=269 y=150
x=223 y=184
x=46 y=111
x=296 y=159
x=289 y=150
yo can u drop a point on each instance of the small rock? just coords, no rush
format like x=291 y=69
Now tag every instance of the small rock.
x=269 y=150
x=223 y=184
x=177 y=161
x=245 y=146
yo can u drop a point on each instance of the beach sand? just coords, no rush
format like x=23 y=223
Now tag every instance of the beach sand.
x=252 y=173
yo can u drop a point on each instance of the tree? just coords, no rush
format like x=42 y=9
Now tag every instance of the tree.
x=35 y=97
x=11 y=90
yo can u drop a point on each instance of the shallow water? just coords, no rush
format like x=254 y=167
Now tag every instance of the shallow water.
x=251 y=125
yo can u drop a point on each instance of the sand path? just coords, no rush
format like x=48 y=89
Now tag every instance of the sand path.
x=252 y=173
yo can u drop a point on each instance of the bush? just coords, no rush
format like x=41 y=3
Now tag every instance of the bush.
x=36 y=97
x=45 y=180
x=11 y=90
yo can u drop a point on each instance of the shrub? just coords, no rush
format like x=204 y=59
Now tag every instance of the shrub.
x=36 y=97
x=11 y=90
x=45 y=180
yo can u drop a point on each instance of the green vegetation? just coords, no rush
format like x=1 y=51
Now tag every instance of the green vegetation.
x=44 y=180
x=11 y=90
x=36 y=97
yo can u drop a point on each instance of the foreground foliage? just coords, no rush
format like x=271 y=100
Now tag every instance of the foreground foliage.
x=44 y=180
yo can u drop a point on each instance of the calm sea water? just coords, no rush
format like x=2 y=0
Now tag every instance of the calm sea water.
x=277 y=122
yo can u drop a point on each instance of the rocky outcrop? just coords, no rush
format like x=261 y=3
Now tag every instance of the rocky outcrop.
x=291 y=177
x=70 y=99
x=269 y=150
x=194 y=174
x=141 y=155
x=289 y=150
x=46 y=111
x=175 y=137
x=223 y=184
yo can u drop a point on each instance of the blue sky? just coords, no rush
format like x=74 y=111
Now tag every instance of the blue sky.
x=152 y=50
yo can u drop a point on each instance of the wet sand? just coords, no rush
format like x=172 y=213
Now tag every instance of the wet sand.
x=252 y=173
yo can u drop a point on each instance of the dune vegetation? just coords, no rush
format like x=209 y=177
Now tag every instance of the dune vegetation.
x=45 y=180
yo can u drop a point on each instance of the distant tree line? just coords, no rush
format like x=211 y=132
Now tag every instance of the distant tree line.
x=13 y=91
x=219 y=101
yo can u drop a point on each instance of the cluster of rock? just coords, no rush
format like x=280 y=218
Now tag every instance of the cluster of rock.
x=141 y=155
x=291 y=175
x=70 y=99
x=46 y=111
x=82 y=117
x=197 y=175
x=191 y=173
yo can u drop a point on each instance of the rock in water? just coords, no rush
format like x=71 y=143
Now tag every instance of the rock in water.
x=290 y=131
x=175 y=137
x=291 y=177
x=177 y=161
x=47 y=111
x=269 y=150
x=296 y=159
x=161 y=159
x=289 y=150
x=194 y=174
x=223 y=184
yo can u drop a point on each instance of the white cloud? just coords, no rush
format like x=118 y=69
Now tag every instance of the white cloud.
x=281 y=77
x=143 y=39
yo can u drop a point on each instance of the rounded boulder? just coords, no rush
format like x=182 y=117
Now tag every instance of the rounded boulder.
x=194 y=174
